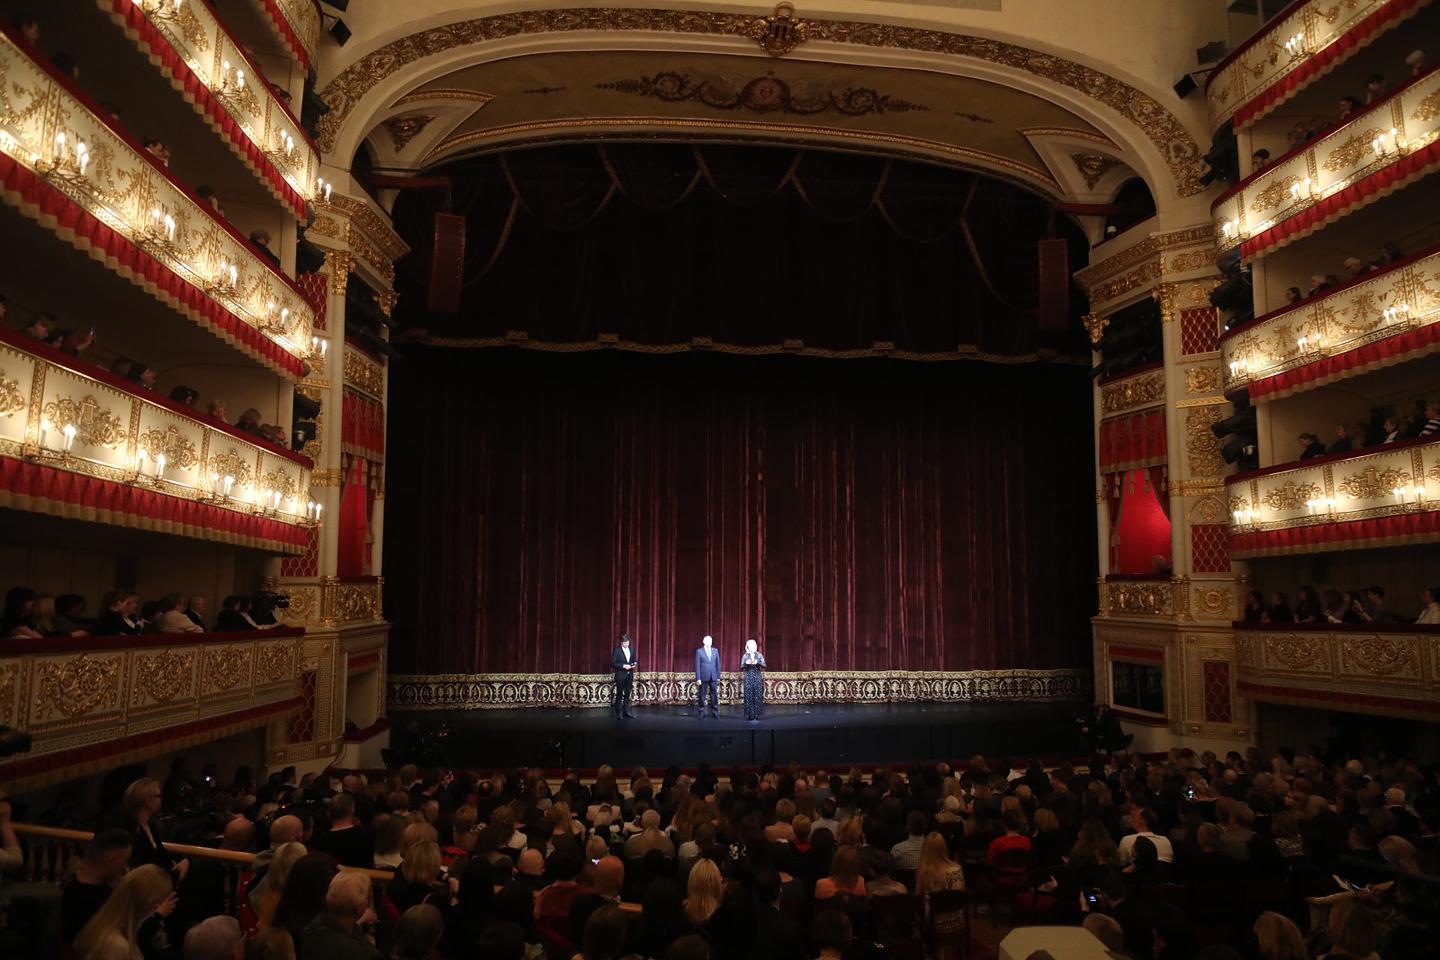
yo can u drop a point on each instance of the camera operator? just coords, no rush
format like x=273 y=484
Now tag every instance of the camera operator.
x=263 y=606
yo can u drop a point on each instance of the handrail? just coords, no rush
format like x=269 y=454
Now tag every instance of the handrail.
x=84 y=368
x=1329 y=458
x=1381 y=626
x=136 y=641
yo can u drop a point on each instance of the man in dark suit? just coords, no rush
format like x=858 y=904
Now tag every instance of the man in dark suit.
x=776 y=936
x=622 y=664
x=707 y=675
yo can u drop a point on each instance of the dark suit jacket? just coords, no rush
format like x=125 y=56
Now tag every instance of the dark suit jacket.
x=707 y=669
x=777 y=937
x=618 y=661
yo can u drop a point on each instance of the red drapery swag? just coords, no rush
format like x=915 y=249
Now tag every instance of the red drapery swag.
x=1323 y=61
x=1370 y=356
x=1134 y=440
x=869 y=515
x=362 y=433
x=357 y=500
x=1401 y=528
x=1368 y=188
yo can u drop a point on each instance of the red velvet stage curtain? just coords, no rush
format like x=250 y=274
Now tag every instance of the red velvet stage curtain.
x=852 y=515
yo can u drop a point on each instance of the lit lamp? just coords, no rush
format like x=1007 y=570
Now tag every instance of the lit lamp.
x=322 y=190
x=312 y=513
x=1295 y=45
x=1398 y=314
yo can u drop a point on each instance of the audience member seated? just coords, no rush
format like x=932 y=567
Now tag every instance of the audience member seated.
x=1278 y=610
x=1342 y=442
x=120 y=615
x=172 y=619
x=102 y=862
x=336 y=934
x=195 y=610
x=130 y=923
x=20 y=621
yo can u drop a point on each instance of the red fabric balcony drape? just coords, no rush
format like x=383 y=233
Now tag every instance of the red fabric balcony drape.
x=1134 y=440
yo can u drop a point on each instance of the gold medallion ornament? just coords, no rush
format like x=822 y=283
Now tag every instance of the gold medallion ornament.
x=94 y=425
x=780 y=32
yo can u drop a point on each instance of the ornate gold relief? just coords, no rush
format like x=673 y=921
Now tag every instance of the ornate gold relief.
x=1213 y=602
x=231 y=464
x=1372 y=483
x=1095 y=326
x=364 y=374
x=9 y=674
x=73 y=688
x=1290 y=496
x=1133 y=392
x=1296 y=652
x=1378 y=655
x=350 y=602
x=340 y=264
x=1273 y=195
x=1093 y=166
x=163 y=676
x=1202 y=379
x=1110 y=289
x=1139 y=598
x=1428 y=109
x=1202 y=449
x=275 y=662
x=12 y=401
x=406 y=128
x=179 y=452
x=780 y=32
x=1349 y=153
x=225 y=668
x=95 y=426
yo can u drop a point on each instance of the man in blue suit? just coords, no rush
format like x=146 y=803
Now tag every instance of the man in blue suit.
x=707 y=674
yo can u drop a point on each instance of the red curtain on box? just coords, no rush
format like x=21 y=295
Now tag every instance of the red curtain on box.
x=1398 y=529
x=362 y=433
x=356 y=500
x=1135 y=440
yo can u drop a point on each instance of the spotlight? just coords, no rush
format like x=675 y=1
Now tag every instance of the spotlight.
x=1185 y=86
x=341 y=33
x=1212 y=52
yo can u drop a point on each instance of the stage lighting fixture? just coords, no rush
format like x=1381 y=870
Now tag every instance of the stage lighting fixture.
x=1212 y=52
x=1185 y=86
x=339 y=32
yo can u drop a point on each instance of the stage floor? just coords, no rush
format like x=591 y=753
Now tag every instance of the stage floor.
x=659 y=736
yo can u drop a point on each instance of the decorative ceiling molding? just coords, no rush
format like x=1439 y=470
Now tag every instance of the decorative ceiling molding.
x=575 y=129
x=1168 y=135
x=1093 y=166
x=1076 y=132
x=404 y=128
x=430 y=96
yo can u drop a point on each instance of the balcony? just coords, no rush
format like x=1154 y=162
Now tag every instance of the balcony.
x=295 y=24
x=79 y=442
x=1376 y=320
x=94 y=703
x=1376 y=152
x=1306 y=41
x=215 y=75
x=64 y=164
x=1376 y=497
x=1379 y=668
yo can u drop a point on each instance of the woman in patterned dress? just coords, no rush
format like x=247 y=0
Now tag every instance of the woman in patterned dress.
x=752 y=666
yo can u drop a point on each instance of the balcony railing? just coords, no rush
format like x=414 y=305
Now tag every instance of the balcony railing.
x=77 y=441
x=1377 y=319
x=1377 y=151
x=215 y=75
x=94 y=703
x=64 y=163
x=297 y=25
x=1376 y=497
x=1370 y=667
x=1307 y=40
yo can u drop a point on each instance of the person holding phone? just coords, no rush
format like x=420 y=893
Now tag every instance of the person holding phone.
x=622 y=665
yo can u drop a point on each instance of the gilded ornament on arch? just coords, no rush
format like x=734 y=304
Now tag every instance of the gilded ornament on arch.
x=163 y=676
x=179 y=452
x=225 y=668
x=95 y=426
x=1093 y=166
x=780 y=32
x=1202 y=379
x=1290 y=496
x=1378 y=655
x=405 y=128
x=73 y=688
x=1275 y=194
x=1349 y=153
x=1373 y=483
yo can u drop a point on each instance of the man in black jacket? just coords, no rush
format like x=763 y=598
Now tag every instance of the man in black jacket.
x=622 y=665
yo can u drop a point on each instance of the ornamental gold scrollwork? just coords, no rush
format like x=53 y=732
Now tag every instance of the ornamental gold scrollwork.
x=363 y=374
x=95 y=426
x=1290 y=496
x=76 y=687
x=1110 y=289
x=1245 y=652
x=12 y=401
x=1380 y=656
x=163 y=676
x=1349 y=153
x=231 y=464
x=1132 y=392
x=1372 y=483
x=1428 y=108
x=1095 y=327
x=179 y=452
x=405 y=128
x=9 y=673
x=1141 y=598
x=1202 y=379
x=278 y=481
x=1202 y=449
x=350 y=602
x=1296 y=652
x=1093 y=166
x=340 y=264
x=1214 y=603
x=225 y=668
x=275 y=662
x=1273 y=195
x=304 y=605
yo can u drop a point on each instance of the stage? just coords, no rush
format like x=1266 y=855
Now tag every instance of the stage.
x=662 y=735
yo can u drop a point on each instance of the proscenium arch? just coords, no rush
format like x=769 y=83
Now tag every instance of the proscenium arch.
x=1152 y=140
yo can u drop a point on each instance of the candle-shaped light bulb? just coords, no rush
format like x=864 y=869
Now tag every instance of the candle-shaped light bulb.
x=239 y=79
x=234 y=275
x=284 y=314
x=170 y=226
x=159 y=465
x=324 y=346
x=327 y=192
x=82 y=154
x=229 y=482
x=139 y=458
x=69 y=432
x=225 y=66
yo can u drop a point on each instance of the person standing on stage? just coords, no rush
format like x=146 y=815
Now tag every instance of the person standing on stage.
x=707 y=674
x=752 y=665
x=622 y=664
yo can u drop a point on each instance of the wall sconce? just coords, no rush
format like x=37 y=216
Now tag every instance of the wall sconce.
x=220 y=488
x=322 y=190
x=1295 y=45
x=1398 y=314
x=1244 y=519
x=312 y=513
x=1321 y=506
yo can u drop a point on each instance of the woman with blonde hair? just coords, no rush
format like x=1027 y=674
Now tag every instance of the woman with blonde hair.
x=851 y=833
x=703 y=892
x=463 y=827
x=275 y=877
x=1278 y=938
x=141 y=802
x=417 y=833
x=844 y=875
x=937 y=871
x=418 y=877
x=113 y=933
